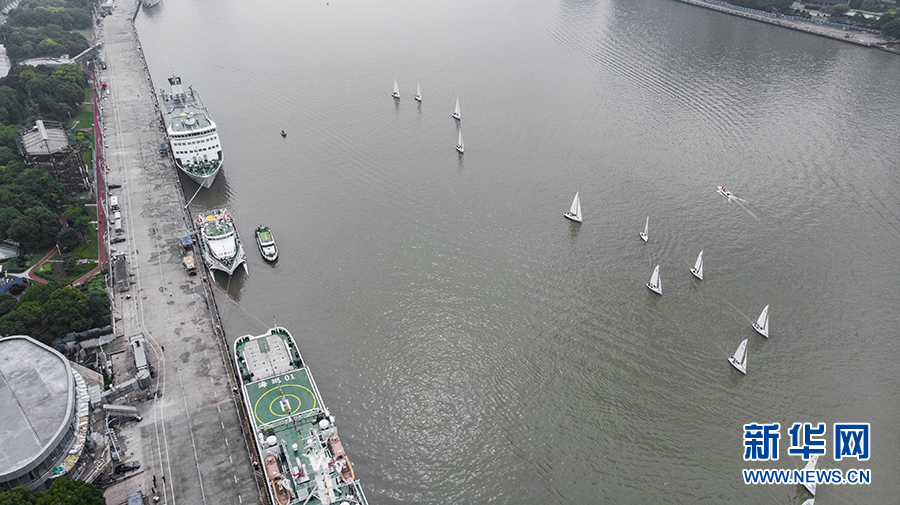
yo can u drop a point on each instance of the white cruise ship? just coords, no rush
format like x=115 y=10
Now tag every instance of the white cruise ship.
x=193 y=137
x=220 y=242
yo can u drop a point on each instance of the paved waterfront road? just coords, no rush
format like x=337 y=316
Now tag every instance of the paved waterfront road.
x=191 y=433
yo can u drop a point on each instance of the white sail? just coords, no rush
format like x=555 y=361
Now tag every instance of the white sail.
x=575 y=211
x=811 y=501
x=456 y=111
x=396 y=93
x=655 y=283
x=739 y=360
x=698 y=267
x=418 y=92
x=762 y=323
x=811 y=465
x=459 y=144
x=643 y=234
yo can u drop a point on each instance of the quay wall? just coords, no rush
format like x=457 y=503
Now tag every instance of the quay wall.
x=834 y=31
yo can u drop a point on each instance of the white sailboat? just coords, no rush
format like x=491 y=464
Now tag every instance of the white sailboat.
x=655 y=283
x=456 y=111
x=811 y=465
x=762 y=324
x=418 y=92
x=575 y=211
x=739 y=360
x=811 y=501
x=698 y=267
x=459 y=143
x=643 y=234
x=396 y=93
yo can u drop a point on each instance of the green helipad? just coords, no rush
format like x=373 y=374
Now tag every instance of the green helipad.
x=280 y=396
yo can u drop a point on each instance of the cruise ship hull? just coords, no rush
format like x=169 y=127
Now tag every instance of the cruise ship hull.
x=204 y=180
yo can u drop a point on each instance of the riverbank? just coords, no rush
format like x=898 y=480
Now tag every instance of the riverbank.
x=851 y=36
x=190 y=445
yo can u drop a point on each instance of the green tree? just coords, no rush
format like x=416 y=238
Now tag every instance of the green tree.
x=7 y=304
x=7 y=155
x=18 y=496
x=892 y=29
x=871 y=6
x=69 y=93
x=7 y=216
x=12 y=109
x=22 y=230
x=48 y=222
x=66 y=311
x=40 y=293
x=49 y=47
x=70 y=73
x=837 y=10
x=68 y=239
x=64 y=491
x=26 y=319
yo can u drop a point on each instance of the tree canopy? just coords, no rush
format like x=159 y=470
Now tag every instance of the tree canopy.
x=23 y=42
x=28 y=93
x=765 y=5
x=33 y=14
x=62 y=491
x=49 y=311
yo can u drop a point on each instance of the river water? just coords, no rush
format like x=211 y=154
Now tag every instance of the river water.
x=476 y=346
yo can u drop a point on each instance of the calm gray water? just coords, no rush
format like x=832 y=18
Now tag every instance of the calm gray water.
x=477 y=347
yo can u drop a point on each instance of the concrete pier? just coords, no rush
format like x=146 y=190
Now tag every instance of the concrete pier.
x=191 y=438
x=857 y=37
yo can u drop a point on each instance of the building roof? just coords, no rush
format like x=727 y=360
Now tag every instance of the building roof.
x=37 y=395
x=44 y=138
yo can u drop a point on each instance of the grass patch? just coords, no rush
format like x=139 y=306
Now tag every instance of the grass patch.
x=45 y=271
x=87 y=251
x=81 y=270
x=83 y=120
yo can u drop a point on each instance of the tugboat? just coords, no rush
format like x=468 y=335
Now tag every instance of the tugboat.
x=266 y=243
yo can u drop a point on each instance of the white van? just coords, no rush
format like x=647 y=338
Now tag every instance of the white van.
x=119 y=226
x=117 y=216
x=114 y=203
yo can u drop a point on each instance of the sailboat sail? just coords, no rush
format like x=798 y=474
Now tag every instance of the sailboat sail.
x=396 y=93
x=655 y=283
x=459 y=144
x=418 y=92
x=643 y=234
x=575 y=210
x=811 y=465
x=762 y=324
x=698 y=267
x=456 y=111
x=739 y=360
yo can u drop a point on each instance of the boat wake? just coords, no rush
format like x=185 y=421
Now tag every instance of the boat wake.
x=743 y=204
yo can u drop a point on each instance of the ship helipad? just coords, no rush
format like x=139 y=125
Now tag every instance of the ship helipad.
x=301 y=455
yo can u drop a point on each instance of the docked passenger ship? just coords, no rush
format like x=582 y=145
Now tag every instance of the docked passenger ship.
x=300 y=453
x=220 y=243
x=193 y=137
